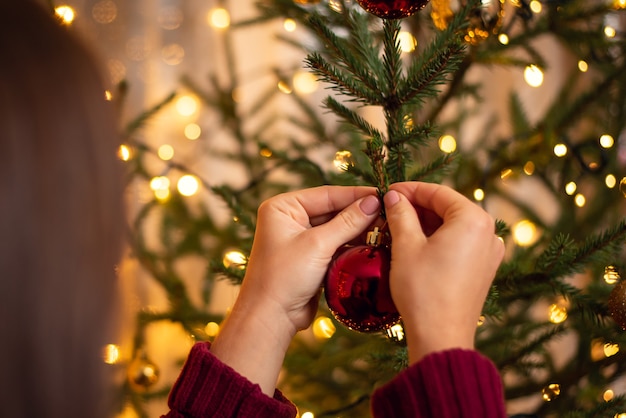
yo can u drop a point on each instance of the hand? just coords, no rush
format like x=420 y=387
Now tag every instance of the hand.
x=444 y=256
x=297 y=234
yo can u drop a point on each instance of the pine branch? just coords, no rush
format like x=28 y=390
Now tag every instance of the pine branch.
x=352 y=118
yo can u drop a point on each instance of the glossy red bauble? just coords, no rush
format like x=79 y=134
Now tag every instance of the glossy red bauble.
x=392 y=9
x=356 y=288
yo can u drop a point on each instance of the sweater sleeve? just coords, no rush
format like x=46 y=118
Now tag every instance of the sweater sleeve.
x=208 y=388
x=450 y=384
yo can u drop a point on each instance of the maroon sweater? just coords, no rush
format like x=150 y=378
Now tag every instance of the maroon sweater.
x=449 y=384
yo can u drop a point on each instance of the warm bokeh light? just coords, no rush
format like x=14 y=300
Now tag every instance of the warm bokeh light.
x=447 y=144
x=525 y=233
x=212 y=329
x=165 y=152
x=343 y=160
x=551 y=392
x=529 y=168
x=304 y=82
x=111 y=354
x=533 y=75
x=108 y=96
x=188 y=185
x=580 y=200
x=234 y=259
x=160 y=185
x=583 y=67
x=606 y=141
x=192 y=131
x=557 y=313
x=307 y=415
x=610 y=180
x=289 y=25
x=611 y=349
x=610 y=31
x=503 y=38
x=186 y=105
x=570 y=188
x=284 y=87
x=535 y=6
x=219 y=18
x=408 y=43
x=560 y=150
x=323 y=328
x=611 y=275
x=65 y=13
x=124 y=152
x=479 y=195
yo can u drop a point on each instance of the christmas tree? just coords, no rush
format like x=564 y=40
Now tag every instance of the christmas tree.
x=414 y=91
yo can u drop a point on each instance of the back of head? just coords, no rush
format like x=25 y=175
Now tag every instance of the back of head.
x=61 y=219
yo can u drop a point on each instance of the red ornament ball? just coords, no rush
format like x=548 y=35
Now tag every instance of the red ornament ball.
x=392 y=9
x=356 y=288
x=617 y=304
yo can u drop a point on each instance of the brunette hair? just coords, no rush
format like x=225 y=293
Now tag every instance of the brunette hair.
x=61 y=219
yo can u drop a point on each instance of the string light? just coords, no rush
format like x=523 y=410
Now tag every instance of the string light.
x=65 y=13
x=407 y=41
x=570 y=188
x=307 y=415
x=560 y=150
x=108 y=96
x=529 y=168
x=323 y=328
x=284 y=87
x=535 y=6
x=234 y=259
x=192 y=131
x=304 y=82
x=611 y=275
x=343 y=160
x=551 y=392
x=188 y=185
x=580 y=200
x=609 y=31
x=610 y=349
x=583 y=67
x=266 y=152
x=160 y=185
x=219 y=18
x=608 y=395
x=619 y=4
x=606 y=141
x=186 y=105
x=289 y=25
x=124 y=153
x=557 y=313
x=503 y=38
x=479 y=195
x=610 y=181
x=533 y=75
x=524 y=233
x=111 y=354
x=212 y=329
x=165 y=152
x=447 y=144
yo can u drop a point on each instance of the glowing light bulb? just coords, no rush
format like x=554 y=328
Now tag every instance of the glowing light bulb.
x=580 y=200
x=234 y=259
x=533 y=75
x=570 y=188
x=219 y=18
x=212 y=329
x=307 y=415
x=304 y=82
x=610 y=180
x=447 y=144
x=124 y=152
x=65 y=13
x=606 y=141
x=557 y=313
x=192 y=131
x=503 y=38
x=524 y=233
x=323 y=328
x=165 y=152
x=188 y=185
x=289 y=25
x=160 y=185
x=535 y=6
x=479 y=195
x=610 y=32
x=186 y=105
x=111 y=354
x=407 y=41
x=560 y=150
x=343 y=160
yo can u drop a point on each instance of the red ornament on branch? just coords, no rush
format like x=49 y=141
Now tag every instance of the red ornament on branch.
x=392 y=9
x=356 y=286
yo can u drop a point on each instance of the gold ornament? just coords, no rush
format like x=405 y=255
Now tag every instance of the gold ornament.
x=483 y=21
x=617 y=304
x=611 y=275
x=396 y=334
x=142 y=372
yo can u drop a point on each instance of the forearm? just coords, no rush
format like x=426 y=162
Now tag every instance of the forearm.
x=253 y=341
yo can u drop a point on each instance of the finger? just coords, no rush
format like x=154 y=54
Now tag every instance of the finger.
x=348 y=223
x=325 y=200
x=442 y=200
x=403 y=221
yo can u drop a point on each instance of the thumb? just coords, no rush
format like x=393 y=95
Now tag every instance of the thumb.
x=350 y=222
x=403 y=222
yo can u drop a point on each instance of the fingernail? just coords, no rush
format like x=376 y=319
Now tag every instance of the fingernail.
x=391 y=198
x=370 y=205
